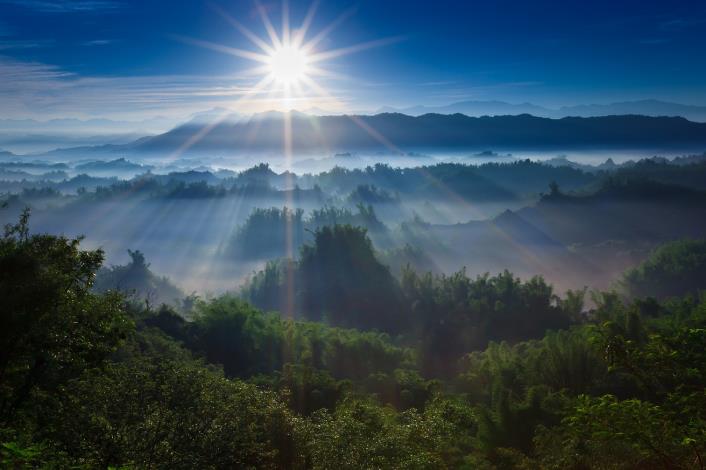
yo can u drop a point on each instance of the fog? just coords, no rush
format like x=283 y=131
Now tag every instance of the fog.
x=208 y=223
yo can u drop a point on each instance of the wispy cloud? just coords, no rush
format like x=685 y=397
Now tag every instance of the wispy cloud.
x=14 y=72
x=98 y=42
x=24 y=44
x=484 y=92
x=32 y=89
x=439 y=83
x=680 y=24
x=66 y=6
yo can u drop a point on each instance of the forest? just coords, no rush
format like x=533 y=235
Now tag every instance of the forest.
x=504 y=315
x=349 y=366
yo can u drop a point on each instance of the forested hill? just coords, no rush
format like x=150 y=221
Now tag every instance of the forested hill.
x=394 y=132
x=485 y=372
x=627 y=209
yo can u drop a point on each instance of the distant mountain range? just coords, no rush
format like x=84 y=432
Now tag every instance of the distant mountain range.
x=395 y=133
x=32 y=136
x=501 y=108
x=400 y=133
x=90 y=126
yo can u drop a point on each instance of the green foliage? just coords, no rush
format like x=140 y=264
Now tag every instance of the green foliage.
x=246 y=342
x=529 y=380
x=308 y=389
x=604 y=432
x=404 y=389
x=663 y=425
x=232 y=333
x=457 y=314
x=166 y=414
x=337 y=278
x=563 y=361
x=510 y=424
x=138 y=282
x=268 y=287
x=674 y=269
x=269 y=233
x=370 y=194
x=274 y=232
x=343 y=281
x=330 y=216
x=51 y=326
x=13 y=455
x=360 y=434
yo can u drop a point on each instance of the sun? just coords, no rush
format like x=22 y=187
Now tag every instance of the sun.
x=289 y=65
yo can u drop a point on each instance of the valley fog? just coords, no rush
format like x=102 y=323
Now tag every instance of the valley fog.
x=209 y=225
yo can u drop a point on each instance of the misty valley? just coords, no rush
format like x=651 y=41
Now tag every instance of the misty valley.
x=468 y=300
x=331 y=235
x=210 y=230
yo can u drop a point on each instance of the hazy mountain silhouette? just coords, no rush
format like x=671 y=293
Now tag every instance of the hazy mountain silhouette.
x=574 y=239
x=398 y=132
x=653 y=108
x=633 y=209
x=395 y=133
x=643 y=107
x=474 y=108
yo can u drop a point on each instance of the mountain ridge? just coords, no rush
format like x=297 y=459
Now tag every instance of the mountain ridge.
x=396 y=133
x=646 y=107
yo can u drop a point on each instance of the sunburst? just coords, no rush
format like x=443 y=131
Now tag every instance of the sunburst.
x=289 y=65
x=288 y=62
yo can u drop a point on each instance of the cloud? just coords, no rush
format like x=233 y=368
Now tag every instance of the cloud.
x=439 y=83
x=98 y=42
x=680 y=24
x=24 y=44
x=66 y=6
x=33 y=89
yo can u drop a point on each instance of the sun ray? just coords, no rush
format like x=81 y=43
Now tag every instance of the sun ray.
x=257 y=71
x=359 y=122
x=254 y=38
x=288 y=57
x=306 y=24
x=335 y=53
x=225 y=49
x=321 y=35
x=268 y=25
x=205 y=130
x=285 y=23
x=313 y=70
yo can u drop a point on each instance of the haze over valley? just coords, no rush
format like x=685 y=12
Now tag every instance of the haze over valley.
x=287 y=234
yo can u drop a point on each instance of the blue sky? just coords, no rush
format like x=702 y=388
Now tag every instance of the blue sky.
x=136 y=59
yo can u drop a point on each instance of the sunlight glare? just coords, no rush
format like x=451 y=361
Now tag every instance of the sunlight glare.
x=288 y=65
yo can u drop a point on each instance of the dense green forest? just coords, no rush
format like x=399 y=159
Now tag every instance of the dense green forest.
x=348 y=366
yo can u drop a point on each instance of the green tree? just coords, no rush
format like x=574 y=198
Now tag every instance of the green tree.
x=673 y=269
x=51 y=326
x=157 y=413
x=343 y=281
